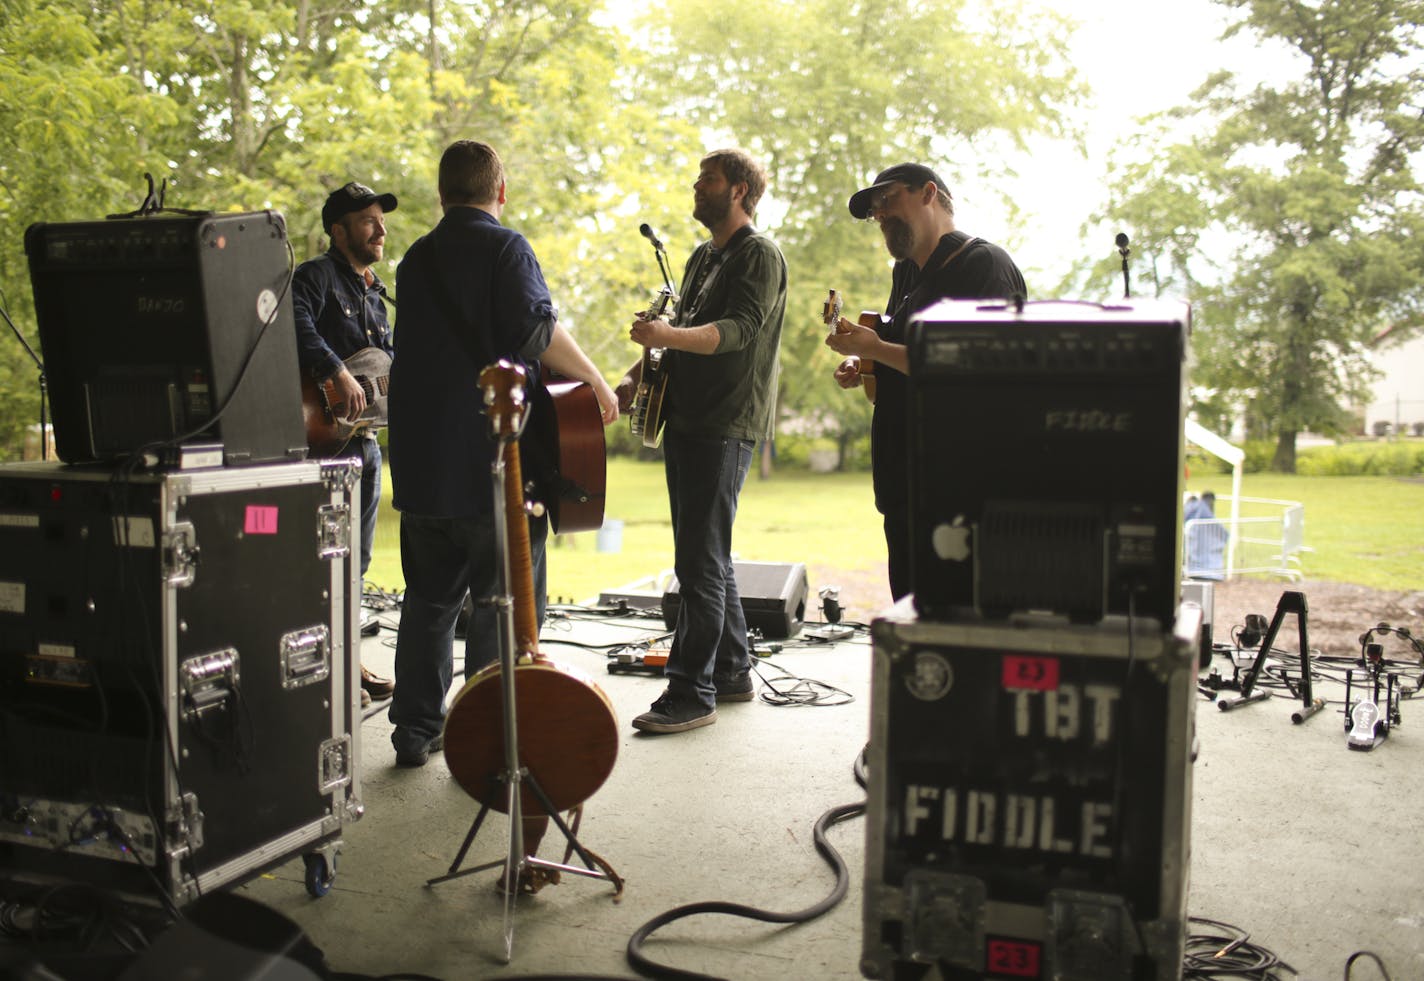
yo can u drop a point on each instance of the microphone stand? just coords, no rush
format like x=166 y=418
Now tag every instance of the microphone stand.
x=1123 y=250
x=666 y=271
x=44 y=384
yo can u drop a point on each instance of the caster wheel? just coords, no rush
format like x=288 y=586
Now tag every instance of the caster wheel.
x=319 y=874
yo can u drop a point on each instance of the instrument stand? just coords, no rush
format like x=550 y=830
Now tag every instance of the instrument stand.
x=515 y=773
x=1290 y=602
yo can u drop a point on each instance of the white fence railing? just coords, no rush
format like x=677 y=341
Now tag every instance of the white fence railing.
x=1263 y=536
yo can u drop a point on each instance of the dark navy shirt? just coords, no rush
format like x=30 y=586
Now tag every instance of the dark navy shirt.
x=471 y=292
x=337 y=314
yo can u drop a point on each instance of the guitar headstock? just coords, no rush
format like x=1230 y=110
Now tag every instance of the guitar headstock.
x=503 y=385
x=660 y=306
x=831 y=311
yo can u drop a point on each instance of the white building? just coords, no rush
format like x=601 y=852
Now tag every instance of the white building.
x=1397 y=396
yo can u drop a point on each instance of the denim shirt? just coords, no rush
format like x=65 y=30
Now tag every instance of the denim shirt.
x=336 y=313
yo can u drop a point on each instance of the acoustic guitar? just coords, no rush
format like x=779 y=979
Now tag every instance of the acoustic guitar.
x=568 y=732
x=831 y=317
x=324 y=412
x=646 y=418
x=568 y=433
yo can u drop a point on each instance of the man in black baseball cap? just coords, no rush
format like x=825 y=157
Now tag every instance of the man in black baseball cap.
x=934 y=261
x=344 y=348
x=352 y=196
x=916 y=175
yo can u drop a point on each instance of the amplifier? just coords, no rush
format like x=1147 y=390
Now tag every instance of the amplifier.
x=773 y=597
x=154 y=329
x=1046 y=459
x=1029 y=803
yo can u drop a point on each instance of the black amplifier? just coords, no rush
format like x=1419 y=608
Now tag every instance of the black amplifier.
x=1046 y=459
x=177 y=673
x=162 y=327
x=1029 y=801
x=773 y=596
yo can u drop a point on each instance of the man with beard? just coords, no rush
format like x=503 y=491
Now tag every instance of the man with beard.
x=933 y=262
x=338 y=304
x=721 y=361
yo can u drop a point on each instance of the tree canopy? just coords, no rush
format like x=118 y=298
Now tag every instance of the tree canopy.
x=1291 y=215
x=253 y=104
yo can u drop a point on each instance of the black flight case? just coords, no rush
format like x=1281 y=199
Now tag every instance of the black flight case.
x=178 y=665
x=1029 y=799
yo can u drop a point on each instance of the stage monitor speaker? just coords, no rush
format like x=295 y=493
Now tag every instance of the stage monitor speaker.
x=1046 y=459
x=150 y=327
x=773 y=597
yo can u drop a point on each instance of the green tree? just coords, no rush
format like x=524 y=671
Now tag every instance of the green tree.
x=1292 y=215
x=254 y=104
x=826 y=95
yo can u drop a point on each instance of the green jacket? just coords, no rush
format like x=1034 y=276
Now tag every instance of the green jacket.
x=732 y=391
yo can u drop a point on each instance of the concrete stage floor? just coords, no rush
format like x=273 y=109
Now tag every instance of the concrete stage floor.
x=1310 y=847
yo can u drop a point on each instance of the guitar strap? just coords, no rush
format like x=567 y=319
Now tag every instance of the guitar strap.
x=934 y=267
x=956 y=253
x=708 y=266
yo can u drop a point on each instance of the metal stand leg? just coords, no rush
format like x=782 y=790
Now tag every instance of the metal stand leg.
x=515 y=774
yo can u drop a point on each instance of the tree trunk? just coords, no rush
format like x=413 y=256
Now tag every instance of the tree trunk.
x=1284 y=459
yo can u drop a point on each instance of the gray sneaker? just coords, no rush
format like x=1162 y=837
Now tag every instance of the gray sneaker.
x=738 y=688
x=671 y=713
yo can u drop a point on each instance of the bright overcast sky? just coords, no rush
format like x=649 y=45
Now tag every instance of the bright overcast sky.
x=1138 y=57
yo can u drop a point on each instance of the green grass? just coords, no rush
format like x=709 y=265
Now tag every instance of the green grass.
x=1364 y=530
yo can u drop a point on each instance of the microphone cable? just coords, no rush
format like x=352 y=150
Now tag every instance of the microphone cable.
x=650 y=968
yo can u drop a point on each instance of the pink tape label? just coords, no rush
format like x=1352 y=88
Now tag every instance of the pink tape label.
x=261 y=520
x=1032 y=673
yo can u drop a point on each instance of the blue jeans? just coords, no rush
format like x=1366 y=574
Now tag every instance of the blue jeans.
x=704 y=479
x=368 y=451
x=443 y=559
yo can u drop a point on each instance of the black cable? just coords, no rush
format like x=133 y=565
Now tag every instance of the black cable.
x=793 y=690
x=1350 y=962
x=650 y=968
x=1228 y=954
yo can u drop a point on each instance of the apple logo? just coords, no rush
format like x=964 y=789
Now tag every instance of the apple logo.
x=951 y=541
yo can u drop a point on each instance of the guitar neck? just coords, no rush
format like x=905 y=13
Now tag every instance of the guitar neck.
x=521 y=565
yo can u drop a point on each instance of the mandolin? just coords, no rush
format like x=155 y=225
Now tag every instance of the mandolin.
x=567 y=729
x=831 y=317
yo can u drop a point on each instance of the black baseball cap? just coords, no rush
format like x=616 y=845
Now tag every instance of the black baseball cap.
x=906 y=173
x=352 y=197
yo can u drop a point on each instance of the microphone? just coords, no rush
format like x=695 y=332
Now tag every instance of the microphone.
x=1123 y=250
x=647 y=232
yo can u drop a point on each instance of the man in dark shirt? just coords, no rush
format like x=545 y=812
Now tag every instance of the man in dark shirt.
x=934 y=261
x=721 y=362
x=471 y=293
x=338 y=304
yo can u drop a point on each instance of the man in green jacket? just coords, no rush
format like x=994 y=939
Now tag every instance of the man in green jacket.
x=721 y=357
